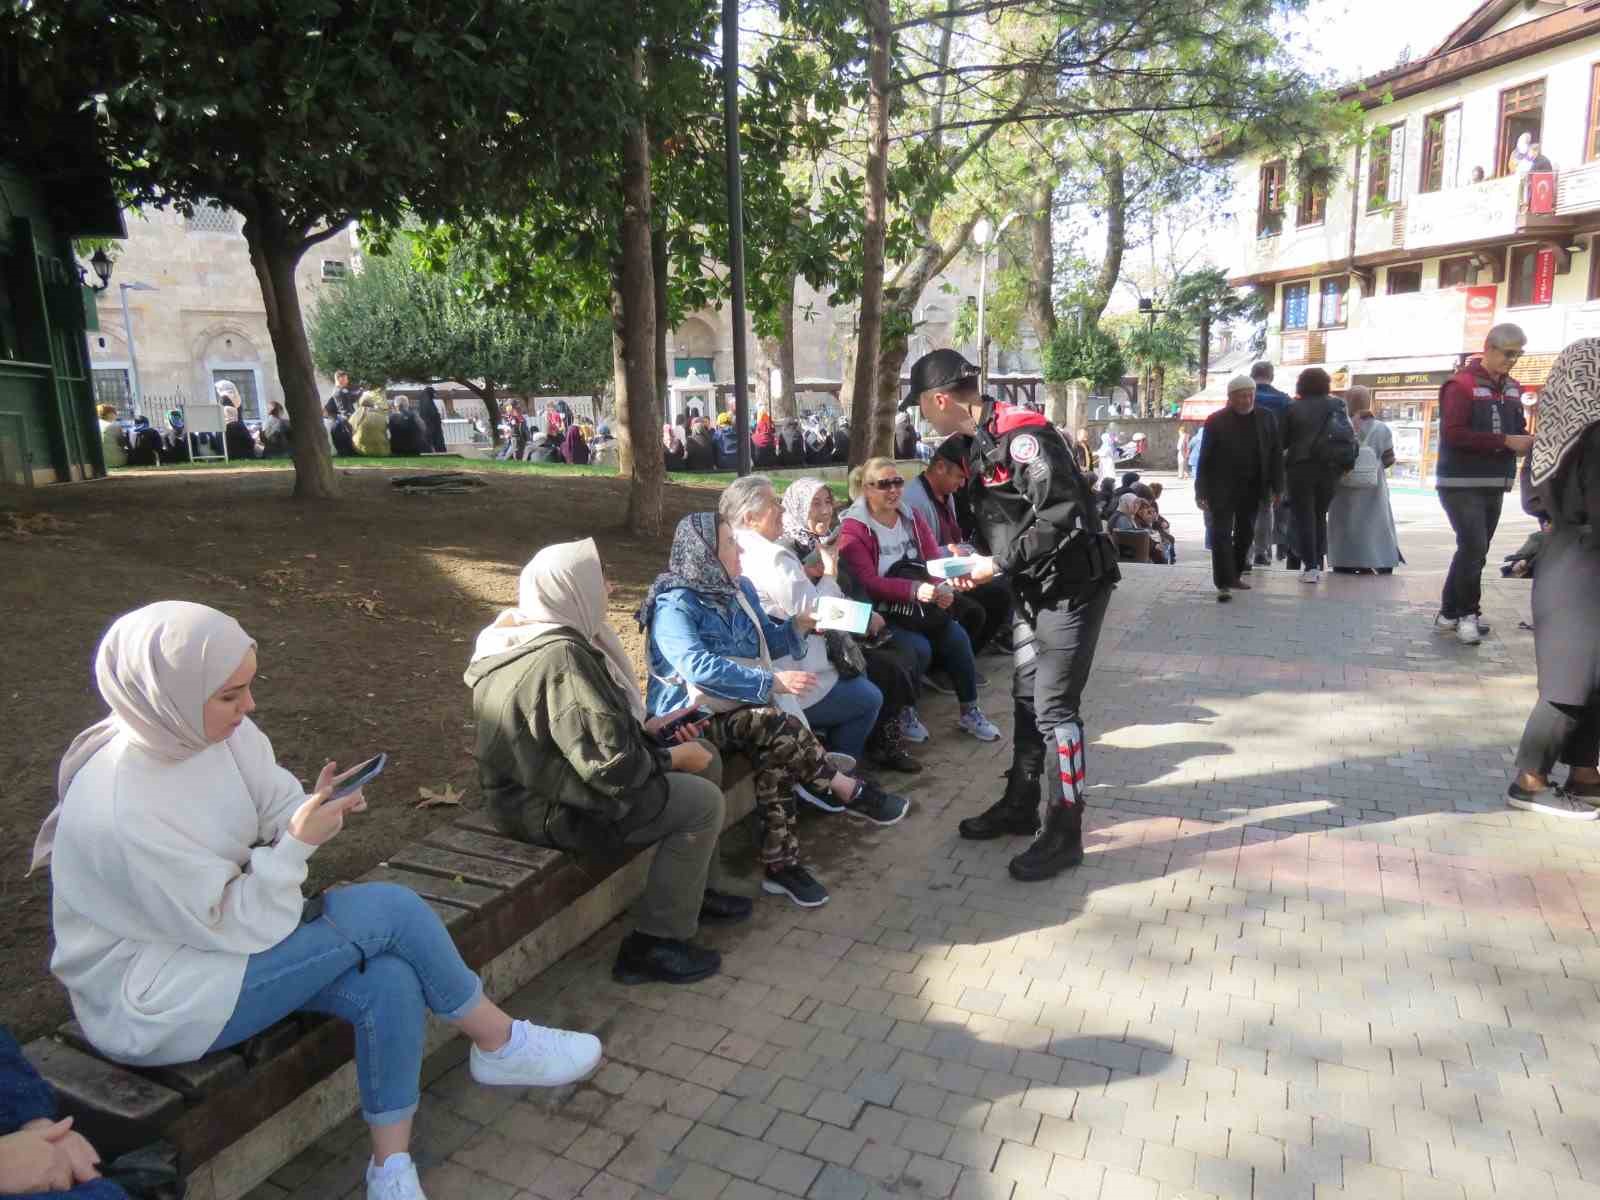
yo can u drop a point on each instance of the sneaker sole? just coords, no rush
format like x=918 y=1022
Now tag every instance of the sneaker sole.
x=1469 y=641
x=937 y=687
x=565 y=1081
x=1534 y=805
x=973 y=733
x=895 y=820
x=842 y=763
x=918 y=741
x=777 y=889
x=827 y=806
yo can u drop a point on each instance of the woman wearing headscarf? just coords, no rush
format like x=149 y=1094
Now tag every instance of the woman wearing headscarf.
x=432 y=419
x=672 y=447
x=236 y=435
x=764 y=442
x=700 y=448
x=1361 y=529
x=567 y=759
x=574 y=448
x=727 y=443
x=177 y=855
x=841 y=710
x=809 y=534
x=370 y=427
x=1561 y=480
x=711 y=646
x=1135 y=539
x=113 y=438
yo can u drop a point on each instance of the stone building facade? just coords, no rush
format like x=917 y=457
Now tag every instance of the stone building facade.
x=205 y=320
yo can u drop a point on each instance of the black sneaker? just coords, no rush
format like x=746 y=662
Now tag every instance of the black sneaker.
x=939 y=681
x=1263 y=561
x=797 y=883
x=818 y=795
x=876 y=805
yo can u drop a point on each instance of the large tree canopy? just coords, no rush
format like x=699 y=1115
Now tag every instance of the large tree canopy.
x=393 y=320
x=305 y=114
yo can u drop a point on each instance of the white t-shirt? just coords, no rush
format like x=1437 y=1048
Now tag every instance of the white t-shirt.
x=894 y=544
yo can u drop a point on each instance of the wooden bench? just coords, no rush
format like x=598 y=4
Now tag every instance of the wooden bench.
x=238 y=1115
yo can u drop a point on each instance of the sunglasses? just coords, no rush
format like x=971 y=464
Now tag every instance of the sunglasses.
x=887 y=485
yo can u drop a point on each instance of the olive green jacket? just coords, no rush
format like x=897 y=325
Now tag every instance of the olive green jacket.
x=561 y=758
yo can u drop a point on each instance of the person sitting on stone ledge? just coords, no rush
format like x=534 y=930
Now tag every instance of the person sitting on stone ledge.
x=711 y=646
x=177 y=854
x=567 y=759
x=41 y=1157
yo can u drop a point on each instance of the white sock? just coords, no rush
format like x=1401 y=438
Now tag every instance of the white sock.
x=393 y=1165
x=518 y=1039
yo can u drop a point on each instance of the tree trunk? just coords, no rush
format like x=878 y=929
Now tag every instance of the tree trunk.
x=1158 y=390
x=786 y=402
x=890 y=360
x=1042 y=254
x=869 y=327
x=633 y=339
x=275 y=253
x=658 y=269
x=1116 y=205
x=1205 y=349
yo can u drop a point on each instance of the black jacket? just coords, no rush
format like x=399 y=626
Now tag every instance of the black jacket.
x=1304 y=422
x=1034 y=510
x=1217 y=483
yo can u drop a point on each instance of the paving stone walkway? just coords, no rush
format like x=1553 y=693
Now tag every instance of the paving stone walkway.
x=1311 y=955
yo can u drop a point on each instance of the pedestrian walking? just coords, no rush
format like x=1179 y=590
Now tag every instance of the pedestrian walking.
x=1268 y=519
x=1361 y=530
x=1560 y=481
x=1481 y=432
x=1183 y=452
x=1240 y=468
x=1319 y=446
x=1039 y=523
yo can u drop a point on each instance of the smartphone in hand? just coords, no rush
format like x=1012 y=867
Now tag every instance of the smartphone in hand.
x=359 y=776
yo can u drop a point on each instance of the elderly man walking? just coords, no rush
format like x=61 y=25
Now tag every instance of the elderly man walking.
x=1481 y=432
x=1240 y=468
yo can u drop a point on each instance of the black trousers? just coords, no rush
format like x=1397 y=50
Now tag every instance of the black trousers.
x=1233 y=529
x=1474 y=515
x=993 y=601
x=1568 y=733
x=1311 y=489
x=1052 y=656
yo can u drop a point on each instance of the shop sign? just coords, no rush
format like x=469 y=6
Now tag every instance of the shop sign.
x=1479 y=318
x=1544 y=277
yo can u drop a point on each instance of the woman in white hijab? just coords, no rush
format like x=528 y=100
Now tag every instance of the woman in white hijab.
x=566 y=759
x=177 y=854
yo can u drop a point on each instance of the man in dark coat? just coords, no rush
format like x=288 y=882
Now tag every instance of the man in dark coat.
x=1241 y=468
x=1268 y=518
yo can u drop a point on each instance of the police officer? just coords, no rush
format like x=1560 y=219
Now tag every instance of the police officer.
x=1039 y=526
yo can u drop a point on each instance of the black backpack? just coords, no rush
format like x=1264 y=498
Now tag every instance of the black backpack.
x=1336 y=442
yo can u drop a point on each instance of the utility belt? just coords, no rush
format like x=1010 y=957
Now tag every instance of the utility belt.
x=1073 y=569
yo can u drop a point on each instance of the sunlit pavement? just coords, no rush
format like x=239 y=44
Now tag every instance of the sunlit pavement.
x=1311 y=952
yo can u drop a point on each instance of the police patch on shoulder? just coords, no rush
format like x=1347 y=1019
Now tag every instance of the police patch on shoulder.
x=1024 y=448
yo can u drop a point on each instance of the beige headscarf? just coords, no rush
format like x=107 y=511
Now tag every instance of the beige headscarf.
x=155 y=669
x=563 y=588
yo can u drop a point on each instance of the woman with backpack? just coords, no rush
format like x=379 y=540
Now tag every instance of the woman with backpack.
x=1319 y=447
x=1361 y=530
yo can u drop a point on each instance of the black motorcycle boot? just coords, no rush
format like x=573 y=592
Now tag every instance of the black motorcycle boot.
x=1058 y=847
x=1016 y=812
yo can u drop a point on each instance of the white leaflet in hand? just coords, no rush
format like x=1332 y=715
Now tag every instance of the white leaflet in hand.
x=953 y=567
x=847 y=616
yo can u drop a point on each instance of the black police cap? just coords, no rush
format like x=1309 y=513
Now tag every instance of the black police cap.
x=938 y=369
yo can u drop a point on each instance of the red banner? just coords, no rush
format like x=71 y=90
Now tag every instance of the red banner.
x=1479 y=316
x=1544 y=277
x=1542 y=192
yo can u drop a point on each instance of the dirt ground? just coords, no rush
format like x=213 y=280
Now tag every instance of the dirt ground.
x=364 y=610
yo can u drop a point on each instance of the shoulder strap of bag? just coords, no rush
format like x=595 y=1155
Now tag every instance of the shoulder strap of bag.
x=761 y=636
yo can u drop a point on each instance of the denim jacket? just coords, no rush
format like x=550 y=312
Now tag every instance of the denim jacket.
x=693 y=640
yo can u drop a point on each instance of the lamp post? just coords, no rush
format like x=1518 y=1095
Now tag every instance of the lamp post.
x=1148 y=309
x=127 y=326
x=981 y=233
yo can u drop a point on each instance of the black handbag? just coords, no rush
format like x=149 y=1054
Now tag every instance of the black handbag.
x=913 y=614
x=844 y=654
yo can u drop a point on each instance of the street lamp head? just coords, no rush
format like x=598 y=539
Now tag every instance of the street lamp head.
x=101 y=262
x=981 y=231
x=138 y=287
x=1146 y=305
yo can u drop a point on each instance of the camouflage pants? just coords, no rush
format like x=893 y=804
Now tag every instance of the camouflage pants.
x=784 y=753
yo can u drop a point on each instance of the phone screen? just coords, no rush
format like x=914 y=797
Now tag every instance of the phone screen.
x=363 y=775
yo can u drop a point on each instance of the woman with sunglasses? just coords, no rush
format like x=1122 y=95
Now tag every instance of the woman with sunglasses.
x=886 y=551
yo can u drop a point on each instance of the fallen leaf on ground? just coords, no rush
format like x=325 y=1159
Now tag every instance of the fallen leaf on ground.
x=432 y=798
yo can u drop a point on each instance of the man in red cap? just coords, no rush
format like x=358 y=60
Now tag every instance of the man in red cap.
x=1039 y=526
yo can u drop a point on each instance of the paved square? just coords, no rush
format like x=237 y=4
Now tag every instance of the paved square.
x=1311 y=954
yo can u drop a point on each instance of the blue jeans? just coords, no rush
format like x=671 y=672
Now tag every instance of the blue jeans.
x=845 y=716
x=410 y=966
x=950 y=648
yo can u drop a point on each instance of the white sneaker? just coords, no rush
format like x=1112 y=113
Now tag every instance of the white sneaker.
x=537 y=1057
x=395 y=1182
x=979 y=726
x=1444 y=624
x=1467 y=631
x=912 y=728
x=1310 y=575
